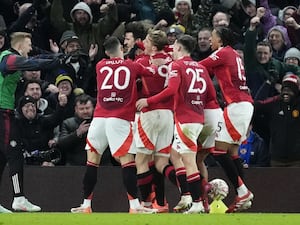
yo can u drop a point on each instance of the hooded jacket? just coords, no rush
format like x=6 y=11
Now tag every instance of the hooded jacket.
x=279 y=54
x=92 y=33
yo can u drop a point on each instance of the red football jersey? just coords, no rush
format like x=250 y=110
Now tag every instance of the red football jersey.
x=227 y=66
x=193 y=89
x=116 y=85
x=153 y=85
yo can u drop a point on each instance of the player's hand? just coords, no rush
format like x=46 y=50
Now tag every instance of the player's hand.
x=141 y=103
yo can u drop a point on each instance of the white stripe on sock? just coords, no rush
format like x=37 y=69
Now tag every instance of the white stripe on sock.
x=16 y=184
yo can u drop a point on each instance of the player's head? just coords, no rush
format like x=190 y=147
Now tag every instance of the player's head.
x=21 y=42
x=113 y=47
x=221 y=37
x=184 y=45
x=155 y=41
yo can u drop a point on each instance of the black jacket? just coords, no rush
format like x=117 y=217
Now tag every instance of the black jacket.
x=71 y=145
x=284 y=126
x=35 y=134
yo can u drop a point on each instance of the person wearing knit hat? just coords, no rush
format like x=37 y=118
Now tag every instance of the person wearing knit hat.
x=23 y=101
x=290 y=81
x=65 y=36
x=183 y=7
x=174 y=32
x=249 y=6
x=279 y=40
x=63 y=77
x=292 y=56
x=286 y=13
x=82 y=18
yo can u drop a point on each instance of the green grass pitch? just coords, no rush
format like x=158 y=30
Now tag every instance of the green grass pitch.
x=153 y=219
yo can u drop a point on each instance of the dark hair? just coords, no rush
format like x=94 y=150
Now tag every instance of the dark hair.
x=227 y=35
x=111 y=44
x=266 y=44
x=83 y=99
x=31 y=82
x=188 y=42
x=137 y=29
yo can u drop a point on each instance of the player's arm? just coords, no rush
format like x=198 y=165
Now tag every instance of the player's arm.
x=14 y=62
x=145 y=70
x=214 y=60
x=169 y=91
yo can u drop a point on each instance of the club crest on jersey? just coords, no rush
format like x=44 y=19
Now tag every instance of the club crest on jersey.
x=295 y=113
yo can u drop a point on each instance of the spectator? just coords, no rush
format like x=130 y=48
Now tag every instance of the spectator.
x=33 y=88
x=203 y=48
x=64 y=84
x=37 y=132
x=89 y=33
x=254 y=151
x=268 y=20
x=78 y=66
x=282 y=113
x=73 y=132
x=286 y=13
x=292 y=56
x=174 y=32
x=34 y=75
x=32 y=20
x=293 y=27
x=3 y=35
x=184 y=15
x=279 y=40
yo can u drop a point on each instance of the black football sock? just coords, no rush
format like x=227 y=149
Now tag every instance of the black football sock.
x=229 y=168
x=89 y=180
x=144 y=181
x=130 y=179
x=183 y=184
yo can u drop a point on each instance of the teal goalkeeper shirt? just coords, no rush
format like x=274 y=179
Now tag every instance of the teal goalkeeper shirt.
x=8 y=85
